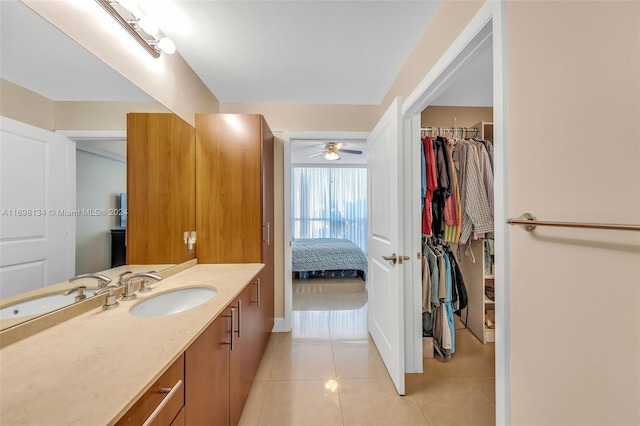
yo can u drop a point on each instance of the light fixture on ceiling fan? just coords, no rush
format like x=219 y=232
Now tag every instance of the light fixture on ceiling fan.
x=331 y=149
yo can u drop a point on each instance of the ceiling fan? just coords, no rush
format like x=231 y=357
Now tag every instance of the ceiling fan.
x=331 y=149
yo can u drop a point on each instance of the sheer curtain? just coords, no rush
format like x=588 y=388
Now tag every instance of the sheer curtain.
x=329 y=203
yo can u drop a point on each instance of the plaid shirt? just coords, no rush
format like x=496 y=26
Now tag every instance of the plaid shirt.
x=477 y=213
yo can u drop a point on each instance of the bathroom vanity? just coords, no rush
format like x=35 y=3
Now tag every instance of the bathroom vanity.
x=112 y=367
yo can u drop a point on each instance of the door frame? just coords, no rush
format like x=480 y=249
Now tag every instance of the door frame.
x=284 y=324
x=490 y=20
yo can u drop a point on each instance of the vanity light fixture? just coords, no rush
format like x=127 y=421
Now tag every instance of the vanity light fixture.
x=142 y=28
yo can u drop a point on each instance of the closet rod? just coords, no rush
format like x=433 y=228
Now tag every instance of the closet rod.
x=449 y=129
x=529 y=223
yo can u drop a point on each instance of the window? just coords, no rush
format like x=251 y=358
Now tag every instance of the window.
x=329 y=203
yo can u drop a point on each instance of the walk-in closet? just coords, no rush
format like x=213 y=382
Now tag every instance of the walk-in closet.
x=457 y=199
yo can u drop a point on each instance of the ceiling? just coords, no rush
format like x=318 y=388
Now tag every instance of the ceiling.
x=335 y=52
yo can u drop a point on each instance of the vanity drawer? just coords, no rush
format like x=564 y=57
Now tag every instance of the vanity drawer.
x=163 y=400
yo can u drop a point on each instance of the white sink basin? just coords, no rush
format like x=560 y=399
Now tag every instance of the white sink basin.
x=40 y=305
x=173 y=302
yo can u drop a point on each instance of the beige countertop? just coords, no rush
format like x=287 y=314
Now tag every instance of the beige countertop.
x=89 y=370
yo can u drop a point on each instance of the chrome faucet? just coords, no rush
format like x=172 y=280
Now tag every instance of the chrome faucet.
x=121 y=278
x=102 y=280
x=80 y=289
x=129 y=292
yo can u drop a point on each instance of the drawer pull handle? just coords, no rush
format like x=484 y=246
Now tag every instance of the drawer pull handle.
x=257 y=283
x=165 y=401
x=239 y=307
x=233 y=317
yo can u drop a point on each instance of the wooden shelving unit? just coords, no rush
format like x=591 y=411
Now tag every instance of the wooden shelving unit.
x=488 y=280
x=486 y=130
x=476 y=282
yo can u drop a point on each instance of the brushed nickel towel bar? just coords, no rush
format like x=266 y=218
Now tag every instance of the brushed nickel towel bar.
x=529 y=222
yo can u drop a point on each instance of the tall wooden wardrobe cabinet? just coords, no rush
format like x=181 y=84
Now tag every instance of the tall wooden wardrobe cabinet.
x=160 y=188
x=234 y=220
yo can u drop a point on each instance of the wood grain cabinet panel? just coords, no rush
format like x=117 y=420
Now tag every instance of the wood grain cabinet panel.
x=234 y=179
x=160 y=188
x=246 y=353
x=235 y=198
x=235 y=224
x=181 y=418
x=207 y=375
x=157 y=395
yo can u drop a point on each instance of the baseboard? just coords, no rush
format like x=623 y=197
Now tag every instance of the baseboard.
x=279 y=326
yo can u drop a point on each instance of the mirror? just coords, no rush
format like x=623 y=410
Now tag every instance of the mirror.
x=44 y=85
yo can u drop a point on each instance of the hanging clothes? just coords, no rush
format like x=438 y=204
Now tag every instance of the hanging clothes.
x=461 y=297
x=477 y=216
x=451 y=204
x=453 y=220
x=431 y=184
x=448 y=305
x=430 y=295
x=445 y=186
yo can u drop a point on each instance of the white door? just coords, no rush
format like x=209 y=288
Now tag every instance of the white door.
x=384 y=282
x=37 y=232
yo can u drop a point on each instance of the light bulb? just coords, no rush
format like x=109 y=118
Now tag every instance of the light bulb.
x=149 y=25
x=331 y=156
x=167 y=46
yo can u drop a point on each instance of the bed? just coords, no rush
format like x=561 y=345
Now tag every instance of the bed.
x=327 y=257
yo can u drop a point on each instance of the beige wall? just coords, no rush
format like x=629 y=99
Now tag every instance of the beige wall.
x=100 y=115
x=574 y=155
x=442 y=116
x=168 y=79
x=26 y=106
x=316 y=117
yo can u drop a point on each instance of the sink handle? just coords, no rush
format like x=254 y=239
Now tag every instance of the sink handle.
x=110 y=301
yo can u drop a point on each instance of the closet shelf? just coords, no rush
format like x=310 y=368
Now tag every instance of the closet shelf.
x=489 y=277
x=489 y=301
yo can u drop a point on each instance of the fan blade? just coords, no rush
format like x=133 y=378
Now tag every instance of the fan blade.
x=350 y=151
x=339 y=145
x=316 y=154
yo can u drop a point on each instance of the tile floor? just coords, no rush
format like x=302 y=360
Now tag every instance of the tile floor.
x=327 y=371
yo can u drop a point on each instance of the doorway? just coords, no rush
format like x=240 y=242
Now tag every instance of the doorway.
x=310 y=153
x=486 y=28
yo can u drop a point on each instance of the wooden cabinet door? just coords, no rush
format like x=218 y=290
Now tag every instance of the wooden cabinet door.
x=267 y=274
x=207 y=375
x=262 y=300
x=229 y=188
x=246 y=353
x=160 y=187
